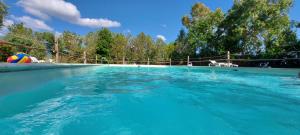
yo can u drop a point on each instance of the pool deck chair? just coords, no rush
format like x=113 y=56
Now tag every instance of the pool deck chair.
x=217 y=64
x=232 y=65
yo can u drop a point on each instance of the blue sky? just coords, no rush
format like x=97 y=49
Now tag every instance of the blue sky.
x=154 y=17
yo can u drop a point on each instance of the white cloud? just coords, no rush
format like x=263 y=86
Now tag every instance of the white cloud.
x=98 y=22
x=35 y=24
x=6 y=24
x=63 y=10
x=164 y=25
x=161 y=37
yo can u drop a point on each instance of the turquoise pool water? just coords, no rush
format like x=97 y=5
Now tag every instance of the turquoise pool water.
x=150 y=101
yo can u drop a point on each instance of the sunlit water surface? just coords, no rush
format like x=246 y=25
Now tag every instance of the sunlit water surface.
x=150 y=101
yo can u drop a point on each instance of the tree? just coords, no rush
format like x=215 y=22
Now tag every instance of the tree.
x=104 y=43
x=20 y=35
x=71 y=47
x=202 y=25
x=169 y=50
x=118 y=50
x=91 y=45
x=3 y=12
x=141 y=47
x=5 y=51
x=25 y=41
x=48 y=39
x=181 y=46
x=159 y=50
x=255 y=26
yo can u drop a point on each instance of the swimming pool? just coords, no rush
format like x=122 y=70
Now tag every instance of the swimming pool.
x=150 y=101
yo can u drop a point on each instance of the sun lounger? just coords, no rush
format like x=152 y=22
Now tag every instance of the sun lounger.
x=217 y=64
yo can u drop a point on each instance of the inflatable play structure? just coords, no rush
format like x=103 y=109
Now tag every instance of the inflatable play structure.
x=19 y=58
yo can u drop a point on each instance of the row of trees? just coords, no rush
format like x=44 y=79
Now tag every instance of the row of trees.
x=253 y=28
x=116 y=46
x=256 y=28
x=104 y=44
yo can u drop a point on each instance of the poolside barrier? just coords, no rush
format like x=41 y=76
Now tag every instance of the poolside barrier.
x=84 y=57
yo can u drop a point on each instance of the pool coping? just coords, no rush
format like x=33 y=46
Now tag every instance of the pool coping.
x=12 y=67
x=8 y=67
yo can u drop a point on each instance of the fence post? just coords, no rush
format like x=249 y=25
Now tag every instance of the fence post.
x=228 y=57
x=84 y=57
x=56 y=50
x=148 y=63
x=96 y=59
x=123 y=60
x=188 y=61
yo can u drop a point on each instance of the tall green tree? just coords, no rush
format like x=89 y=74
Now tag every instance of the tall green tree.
x=25 y=41
x=202 y=25
x=71 y=47
x=255 y=26
x=142 y=47
x=119 y=45
x=169 y=50
x=91 y=45
x=104 y=43
x=181 y=46
x=5 y=51
x=159 y=51
x=48 y=39
x=3 y=13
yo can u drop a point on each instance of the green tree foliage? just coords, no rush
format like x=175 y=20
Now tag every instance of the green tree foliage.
x=118 y=49
x=3 y=12
x=5 y=51
x=141 y=48
x=169 y=50
x=135 y=49
x=48 y=39
x=255 y=27
x=259 y=28
x=181 y=46
x=71 y=47
x=90 y=46
x=25 y=40
x=201 y=25
x=104 y=42
x=20 y=35
x=159 y=51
